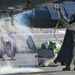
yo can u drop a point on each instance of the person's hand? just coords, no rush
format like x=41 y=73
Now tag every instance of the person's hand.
x=55 y=6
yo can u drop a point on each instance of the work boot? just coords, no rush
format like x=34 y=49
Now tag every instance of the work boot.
x=67 y=68
x=74 y=68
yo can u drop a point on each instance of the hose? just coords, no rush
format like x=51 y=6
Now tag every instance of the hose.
x=55 y=32
x=57 y=24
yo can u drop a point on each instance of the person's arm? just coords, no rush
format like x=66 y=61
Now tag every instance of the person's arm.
x=62 y=17
x=66 y=23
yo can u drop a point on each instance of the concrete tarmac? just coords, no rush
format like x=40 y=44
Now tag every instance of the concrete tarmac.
x=57 y=70
x=51 y=70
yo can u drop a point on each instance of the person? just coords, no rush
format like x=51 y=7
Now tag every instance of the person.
x=8 y=45
x=69 y=24
x=67 y=51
